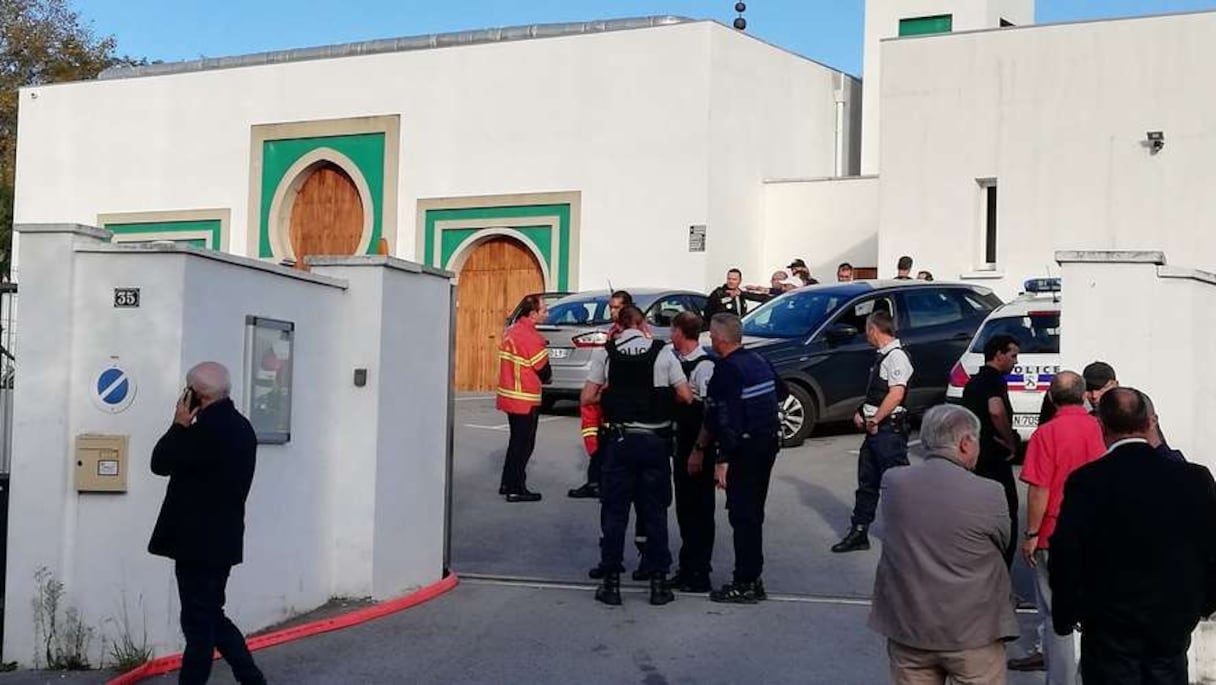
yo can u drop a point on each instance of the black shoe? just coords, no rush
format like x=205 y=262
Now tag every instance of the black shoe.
x=596 y=572
x=735 y=593
x=502 y=490
x=609 y=591
x=525 y=496
x=690 y=582
x=660 y=594
x=585 y=491
x=758 y=588
x=856 y=541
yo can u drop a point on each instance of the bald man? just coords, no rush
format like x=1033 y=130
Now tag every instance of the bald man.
x=209 y=456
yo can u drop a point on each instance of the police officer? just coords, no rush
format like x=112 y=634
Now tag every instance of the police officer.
x=694 y=484
x=640 y=382
x=885 y=421
x=741 y=415
x=731 y=297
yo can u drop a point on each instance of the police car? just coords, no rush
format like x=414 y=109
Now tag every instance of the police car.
x=1033 y=319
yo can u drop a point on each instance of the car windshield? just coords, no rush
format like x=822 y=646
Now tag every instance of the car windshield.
x=591 y=311
x=792 y=315
x=1036 y=332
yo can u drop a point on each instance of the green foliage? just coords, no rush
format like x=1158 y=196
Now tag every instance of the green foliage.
x=41 y=41
x=62 y=636
x=127 y=652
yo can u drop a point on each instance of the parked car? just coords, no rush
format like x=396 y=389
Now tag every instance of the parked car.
x=578 y=325
x=1033 y=319
x=815 y=338
x=549 y=298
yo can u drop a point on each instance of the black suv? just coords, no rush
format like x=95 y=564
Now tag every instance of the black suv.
x=815 y=337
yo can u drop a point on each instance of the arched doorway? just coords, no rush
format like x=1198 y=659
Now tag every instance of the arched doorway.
x=326 y=214
x=496 y=274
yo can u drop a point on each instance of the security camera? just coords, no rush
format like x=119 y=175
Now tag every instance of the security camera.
x=1155 y=141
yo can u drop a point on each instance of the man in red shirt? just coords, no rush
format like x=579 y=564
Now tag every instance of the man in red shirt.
x=1071 y=439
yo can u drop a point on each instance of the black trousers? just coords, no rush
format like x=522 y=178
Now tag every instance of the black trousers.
x=519 y=449
x=694 y=510
x=885 y=449
x=1108 y=659
x=201 y=590
x=637 y=472
x=747 y=481
x=1001 y=471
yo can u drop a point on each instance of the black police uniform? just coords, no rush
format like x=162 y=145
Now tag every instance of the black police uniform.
x=694 y=494
x=637 y=458
x=742 y=415
x=887 y=447
x=721 y=301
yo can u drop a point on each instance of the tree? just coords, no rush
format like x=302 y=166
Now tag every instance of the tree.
x=41 y=41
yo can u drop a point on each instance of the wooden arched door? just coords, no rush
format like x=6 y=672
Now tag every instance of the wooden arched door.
x=494 y=278
x=327 y=215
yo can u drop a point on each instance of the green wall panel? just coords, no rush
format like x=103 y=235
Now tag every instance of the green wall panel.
x=540 y=235
x=365 y=150
x=920 y=26
x=212 y=225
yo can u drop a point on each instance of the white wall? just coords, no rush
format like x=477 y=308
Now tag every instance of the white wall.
x=627 y=117
x=822 y=221
x=882 y=22
x=1149 y=320
x=771 y=115
x=352 y=505
x=1058 y=115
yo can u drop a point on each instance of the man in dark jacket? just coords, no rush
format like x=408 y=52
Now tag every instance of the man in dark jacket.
x=209 y=456
x=1133 y=558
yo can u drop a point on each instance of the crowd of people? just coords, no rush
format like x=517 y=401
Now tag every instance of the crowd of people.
x=1121 y=530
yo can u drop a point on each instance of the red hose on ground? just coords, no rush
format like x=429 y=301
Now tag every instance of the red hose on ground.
x=171 y=663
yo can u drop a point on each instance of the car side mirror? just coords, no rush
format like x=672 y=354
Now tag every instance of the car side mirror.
x=839 y=333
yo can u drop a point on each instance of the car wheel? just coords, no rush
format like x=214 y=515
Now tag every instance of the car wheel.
x=798 y=415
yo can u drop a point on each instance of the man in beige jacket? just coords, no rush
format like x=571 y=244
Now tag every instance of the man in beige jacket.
x=942 y=593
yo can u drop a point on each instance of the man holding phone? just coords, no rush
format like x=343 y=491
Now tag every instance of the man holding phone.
x=209 y=455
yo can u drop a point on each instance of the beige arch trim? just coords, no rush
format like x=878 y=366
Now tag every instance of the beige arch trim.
x=289 y=188
x=462 y=251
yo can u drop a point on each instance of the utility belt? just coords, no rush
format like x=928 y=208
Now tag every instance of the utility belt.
x=897 y=422
x=618 y=431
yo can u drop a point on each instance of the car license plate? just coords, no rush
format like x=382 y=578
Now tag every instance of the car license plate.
x=559 y=352
x=1025 y=420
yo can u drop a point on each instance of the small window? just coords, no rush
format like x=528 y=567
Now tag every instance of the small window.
x=931 y=308
x=1005 y=23
x=920 y=26
x=857 y=314
x=1036 y=332
x=988 y=216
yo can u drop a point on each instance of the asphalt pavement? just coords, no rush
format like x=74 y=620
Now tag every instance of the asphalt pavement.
x=524 y=612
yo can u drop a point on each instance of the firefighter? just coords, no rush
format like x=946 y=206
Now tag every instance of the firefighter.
x=523 y=366
x=640 y=382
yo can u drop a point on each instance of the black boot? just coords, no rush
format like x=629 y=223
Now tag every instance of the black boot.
x=736 y=593
x=856 y=541
x=585 y=491
x=660 y=594
x=609 y=591
x=596 y=572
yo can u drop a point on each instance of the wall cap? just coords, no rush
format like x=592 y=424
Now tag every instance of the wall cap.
x=820 y=179
x=235 y=260
x=1165 y=271
x=394 y=263
x=981 y=276
x=1111 y=256
x=74 y=229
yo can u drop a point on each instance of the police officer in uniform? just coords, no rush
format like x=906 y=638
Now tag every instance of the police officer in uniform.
x=742 y=416
x=640 y=382
x=885 y=421
x=731 y=297
x=694 y=482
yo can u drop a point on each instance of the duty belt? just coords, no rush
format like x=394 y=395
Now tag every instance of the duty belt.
x=659 y=431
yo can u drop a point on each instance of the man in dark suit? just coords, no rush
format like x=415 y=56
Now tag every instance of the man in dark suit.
x=1133 y=557
x=209 y=455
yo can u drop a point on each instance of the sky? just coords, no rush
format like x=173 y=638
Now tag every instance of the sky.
x=829 y=31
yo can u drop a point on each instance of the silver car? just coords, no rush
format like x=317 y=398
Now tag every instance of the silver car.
x=578 y=325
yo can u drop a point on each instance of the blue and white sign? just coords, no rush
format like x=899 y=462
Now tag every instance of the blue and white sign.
x=113 y=389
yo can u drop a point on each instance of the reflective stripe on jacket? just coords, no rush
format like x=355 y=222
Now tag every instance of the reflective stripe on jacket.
x=520 y=355
x=591 y=417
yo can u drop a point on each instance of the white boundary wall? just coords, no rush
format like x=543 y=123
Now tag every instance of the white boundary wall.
x=353 y=505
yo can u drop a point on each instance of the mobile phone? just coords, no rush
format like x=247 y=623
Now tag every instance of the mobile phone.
x=192 y=399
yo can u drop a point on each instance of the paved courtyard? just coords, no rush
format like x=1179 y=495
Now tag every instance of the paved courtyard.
x=524 y=611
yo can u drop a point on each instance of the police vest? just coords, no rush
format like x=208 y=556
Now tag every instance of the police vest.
x=877 y=388
x=690 y=416
x=631 y=396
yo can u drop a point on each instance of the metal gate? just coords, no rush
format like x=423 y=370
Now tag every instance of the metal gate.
x=8 y=310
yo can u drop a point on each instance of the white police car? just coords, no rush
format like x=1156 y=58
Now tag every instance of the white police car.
x=1033 y=319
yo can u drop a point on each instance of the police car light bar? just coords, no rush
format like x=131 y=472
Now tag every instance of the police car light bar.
x=1042 y=285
